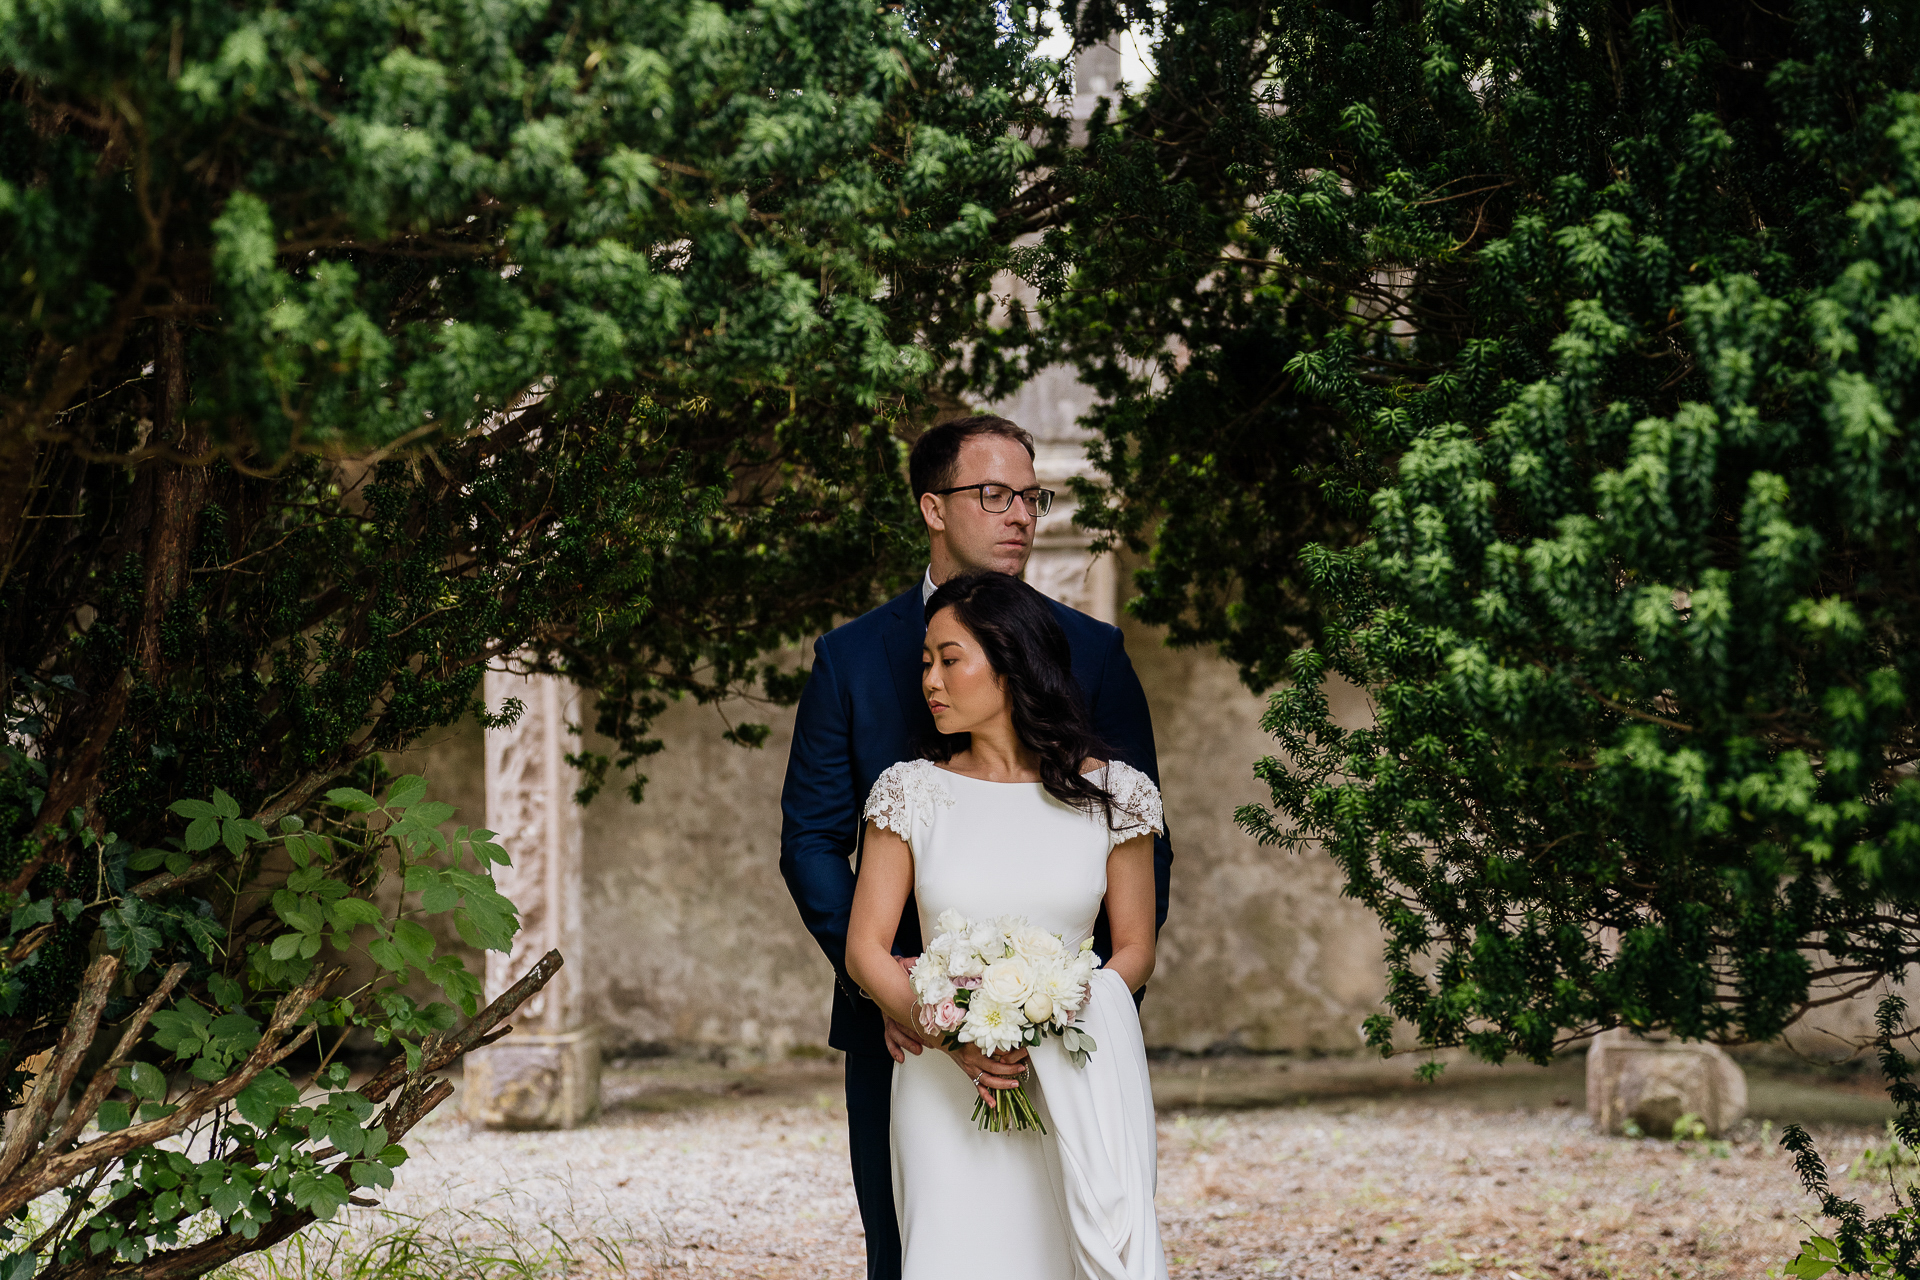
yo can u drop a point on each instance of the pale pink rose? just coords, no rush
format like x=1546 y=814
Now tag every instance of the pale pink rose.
x=947 y=1015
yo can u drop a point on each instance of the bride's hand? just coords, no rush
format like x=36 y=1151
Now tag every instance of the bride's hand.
x=903 y=1040
x=989 y=1074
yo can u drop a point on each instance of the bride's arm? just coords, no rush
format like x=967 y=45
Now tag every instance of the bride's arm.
x=879 y=896
x=1130 y=910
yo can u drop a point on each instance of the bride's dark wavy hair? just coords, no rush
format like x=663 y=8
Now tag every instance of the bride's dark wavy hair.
x=1027 y=648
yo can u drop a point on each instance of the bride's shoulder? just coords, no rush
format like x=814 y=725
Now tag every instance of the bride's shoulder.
x=906 y=791
x=1137 y=799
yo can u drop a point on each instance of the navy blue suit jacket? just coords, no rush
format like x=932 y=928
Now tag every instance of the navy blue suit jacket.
x=861 y=712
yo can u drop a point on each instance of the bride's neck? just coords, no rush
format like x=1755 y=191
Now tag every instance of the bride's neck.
x=997 y=754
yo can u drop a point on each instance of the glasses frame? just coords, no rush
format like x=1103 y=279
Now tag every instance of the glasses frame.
x=1039 y=506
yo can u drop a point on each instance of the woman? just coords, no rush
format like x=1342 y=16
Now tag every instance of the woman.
x=1013 y=811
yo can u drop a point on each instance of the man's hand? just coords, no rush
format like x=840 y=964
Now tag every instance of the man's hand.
x=901 y=1041
x=988 y=1074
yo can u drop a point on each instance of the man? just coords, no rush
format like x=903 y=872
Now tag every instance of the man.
x=863 y=711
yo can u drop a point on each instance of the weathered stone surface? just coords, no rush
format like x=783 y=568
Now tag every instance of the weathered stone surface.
x=1656 y=1081
x=534 y=1081
x=547 y=1074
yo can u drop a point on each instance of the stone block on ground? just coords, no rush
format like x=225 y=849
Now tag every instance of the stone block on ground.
x=534 y=1081
x=1654 y=1080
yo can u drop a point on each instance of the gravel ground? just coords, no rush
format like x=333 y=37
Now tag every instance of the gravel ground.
x=696 y=1170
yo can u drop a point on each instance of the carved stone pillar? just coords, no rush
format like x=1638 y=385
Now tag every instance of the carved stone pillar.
x=546 y=1075
x=1061 y=566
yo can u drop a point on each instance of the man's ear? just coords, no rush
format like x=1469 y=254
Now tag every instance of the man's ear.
x=930 y=512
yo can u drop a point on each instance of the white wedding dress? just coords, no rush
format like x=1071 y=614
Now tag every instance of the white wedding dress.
x=1077 y=1202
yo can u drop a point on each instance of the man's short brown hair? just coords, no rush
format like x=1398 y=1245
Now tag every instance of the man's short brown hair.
x=930 y=466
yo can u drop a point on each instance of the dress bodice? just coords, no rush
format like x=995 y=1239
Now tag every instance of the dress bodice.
x=988 y=849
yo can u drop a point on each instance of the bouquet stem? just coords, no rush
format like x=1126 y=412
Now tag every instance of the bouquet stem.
x=1016 y=1111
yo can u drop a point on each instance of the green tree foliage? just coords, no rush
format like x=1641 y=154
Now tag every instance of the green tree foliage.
x=348 y=350
x=1564 y=362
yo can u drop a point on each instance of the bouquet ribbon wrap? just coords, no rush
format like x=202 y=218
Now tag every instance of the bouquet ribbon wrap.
x=1103 y=1121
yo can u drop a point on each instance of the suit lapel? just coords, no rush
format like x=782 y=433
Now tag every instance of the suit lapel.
x=903 y=641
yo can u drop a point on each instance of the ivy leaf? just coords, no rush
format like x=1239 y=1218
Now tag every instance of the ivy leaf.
x=225 y=805
x=30 y=913
x=113 y=1116
x=193 y=809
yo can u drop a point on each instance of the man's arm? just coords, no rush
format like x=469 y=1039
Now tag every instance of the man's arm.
x=1121 y=717
x=820 y=814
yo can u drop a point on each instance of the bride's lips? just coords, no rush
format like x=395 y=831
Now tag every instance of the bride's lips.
x=936 y=707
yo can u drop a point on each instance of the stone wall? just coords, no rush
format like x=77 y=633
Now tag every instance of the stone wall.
x=689 y=937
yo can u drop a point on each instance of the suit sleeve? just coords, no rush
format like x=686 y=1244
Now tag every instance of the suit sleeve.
x=1122 y=719
x=820 y=814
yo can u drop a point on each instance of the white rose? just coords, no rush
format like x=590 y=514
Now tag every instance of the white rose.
x=1037 y=944
x=934 y=987
x=965 y=962
x=1008 y=981
x=987 y=940
x=1038 y=1008
x=950 y=922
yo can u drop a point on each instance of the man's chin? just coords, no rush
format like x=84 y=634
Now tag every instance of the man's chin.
x=1009 y=561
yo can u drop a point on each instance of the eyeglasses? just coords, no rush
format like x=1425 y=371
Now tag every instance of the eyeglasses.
x=996 y=498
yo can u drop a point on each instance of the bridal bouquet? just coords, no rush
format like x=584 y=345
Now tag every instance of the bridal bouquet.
x=999 y=984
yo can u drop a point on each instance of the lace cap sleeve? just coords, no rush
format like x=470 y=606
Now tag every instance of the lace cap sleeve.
x=905 y=795
x=1136 y=803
